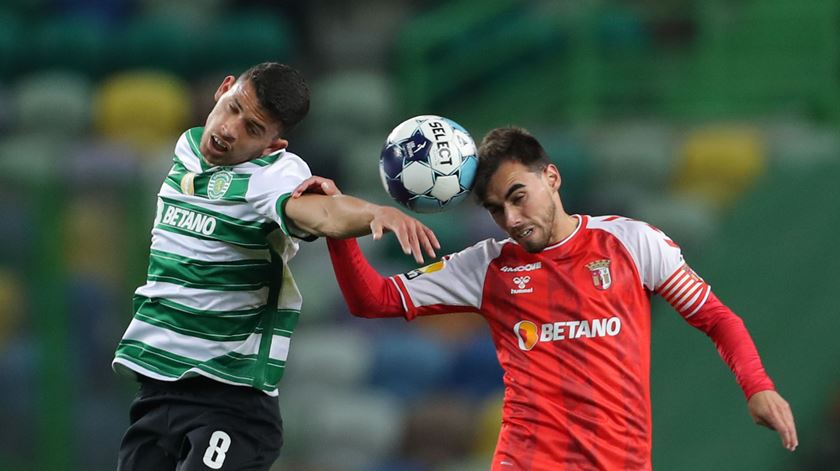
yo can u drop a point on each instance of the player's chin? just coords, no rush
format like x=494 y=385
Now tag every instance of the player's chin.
x=532 y=246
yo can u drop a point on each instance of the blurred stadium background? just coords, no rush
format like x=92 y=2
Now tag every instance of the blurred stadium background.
x=718 y=121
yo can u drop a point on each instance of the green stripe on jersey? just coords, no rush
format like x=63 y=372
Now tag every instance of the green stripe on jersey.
x=223 y=326
x=188 y=219
x=201 y=182
x=194 y=139
x=239 y=275
x=233 y=367
x=266 y=159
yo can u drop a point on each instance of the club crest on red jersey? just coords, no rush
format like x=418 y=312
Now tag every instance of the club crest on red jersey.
x=601 y=277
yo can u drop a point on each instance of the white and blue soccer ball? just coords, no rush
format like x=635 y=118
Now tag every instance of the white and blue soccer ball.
x=428 y=163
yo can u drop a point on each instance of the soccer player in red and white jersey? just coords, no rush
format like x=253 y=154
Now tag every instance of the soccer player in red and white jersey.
x=567 y=298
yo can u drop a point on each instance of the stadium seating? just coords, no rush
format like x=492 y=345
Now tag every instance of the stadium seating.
x=56 y=102
x=143 y=108
x=719 y=163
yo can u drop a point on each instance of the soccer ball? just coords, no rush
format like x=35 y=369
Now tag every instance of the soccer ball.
x=428 y=163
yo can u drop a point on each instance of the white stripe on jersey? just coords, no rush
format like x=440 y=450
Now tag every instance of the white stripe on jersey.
x=184 y=345
x=279 y=348
x=210 y=250
x=206 y=300
x=685 y=291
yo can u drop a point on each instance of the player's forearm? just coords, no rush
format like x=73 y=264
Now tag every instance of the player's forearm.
x=365 y=291
x=734 y=344
x=339 y=216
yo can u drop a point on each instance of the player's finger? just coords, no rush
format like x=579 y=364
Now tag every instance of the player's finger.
x=303 y=186
x=401 y=234
x=432 y=237
x=790 y=439
x=426 y=241
x=780 y=419
x=414 y=242
x=329 y=188
x=376 y=230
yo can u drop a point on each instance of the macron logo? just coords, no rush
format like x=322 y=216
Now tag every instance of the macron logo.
x=521 y=268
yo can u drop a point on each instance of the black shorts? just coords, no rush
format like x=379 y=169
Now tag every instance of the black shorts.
x=200 y=424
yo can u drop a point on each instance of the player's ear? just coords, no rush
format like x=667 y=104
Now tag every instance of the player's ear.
x=276 y=144
x=552 y=176
x=226 y=85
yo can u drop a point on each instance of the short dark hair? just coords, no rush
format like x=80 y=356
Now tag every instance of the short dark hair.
x=506 y=144
x=281 y=90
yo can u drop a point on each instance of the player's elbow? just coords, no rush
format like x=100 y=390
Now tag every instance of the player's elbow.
x=368 y=310
x=363 y=310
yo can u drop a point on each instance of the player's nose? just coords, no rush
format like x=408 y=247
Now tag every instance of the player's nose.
x=512 y=219
x=227 y=131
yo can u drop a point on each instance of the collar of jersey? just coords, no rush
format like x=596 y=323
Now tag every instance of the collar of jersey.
x=566 y=241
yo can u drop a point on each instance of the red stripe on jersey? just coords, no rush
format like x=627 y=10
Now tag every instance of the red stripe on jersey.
x=690 y=295
x=701 y=300
x=667 y=283
x=611 y=218
x=680 y=285
x=685 y=291
x=410 y=310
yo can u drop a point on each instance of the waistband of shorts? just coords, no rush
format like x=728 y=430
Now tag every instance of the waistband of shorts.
x=192 y=384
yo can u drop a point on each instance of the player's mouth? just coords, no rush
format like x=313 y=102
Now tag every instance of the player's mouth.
x=219 y=145
x=524 y=233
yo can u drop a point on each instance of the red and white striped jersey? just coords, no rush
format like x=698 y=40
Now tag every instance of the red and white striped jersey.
x=571 y=325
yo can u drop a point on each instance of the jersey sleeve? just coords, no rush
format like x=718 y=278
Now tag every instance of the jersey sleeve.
x=660 y=263
x=453 y=284
x=271 y=187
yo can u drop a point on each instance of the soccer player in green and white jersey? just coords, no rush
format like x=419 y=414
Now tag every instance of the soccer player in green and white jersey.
x=212 y=325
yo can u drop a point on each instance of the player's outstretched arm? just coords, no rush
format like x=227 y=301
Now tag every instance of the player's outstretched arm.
x=319 y=208
x=767 y=408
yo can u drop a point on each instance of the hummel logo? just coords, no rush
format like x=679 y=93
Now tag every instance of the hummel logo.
x=521 y=282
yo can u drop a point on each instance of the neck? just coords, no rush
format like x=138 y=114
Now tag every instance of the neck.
x=564 y=225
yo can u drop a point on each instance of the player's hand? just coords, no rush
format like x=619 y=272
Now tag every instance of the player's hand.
x=316 y=184
x=767 y=408
x=413 y=236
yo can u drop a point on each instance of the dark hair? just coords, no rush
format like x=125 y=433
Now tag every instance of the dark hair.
x=281 y=91
x=506 y=144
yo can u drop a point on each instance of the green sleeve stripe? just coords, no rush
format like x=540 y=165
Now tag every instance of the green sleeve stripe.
x=290 y=229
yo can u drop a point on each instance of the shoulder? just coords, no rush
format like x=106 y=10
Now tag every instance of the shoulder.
x=285 y=168
x=480 y=253
x=286 y=163
x=624 y=228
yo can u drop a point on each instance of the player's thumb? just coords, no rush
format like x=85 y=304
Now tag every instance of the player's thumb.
x=376 y=230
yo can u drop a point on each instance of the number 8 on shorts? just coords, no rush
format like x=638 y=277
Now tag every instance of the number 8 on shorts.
x=214 y=456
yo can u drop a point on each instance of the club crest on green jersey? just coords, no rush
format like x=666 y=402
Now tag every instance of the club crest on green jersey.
x=219 y=184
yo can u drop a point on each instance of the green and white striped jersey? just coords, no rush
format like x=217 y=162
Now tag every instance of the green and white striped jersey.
x=219 y=300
